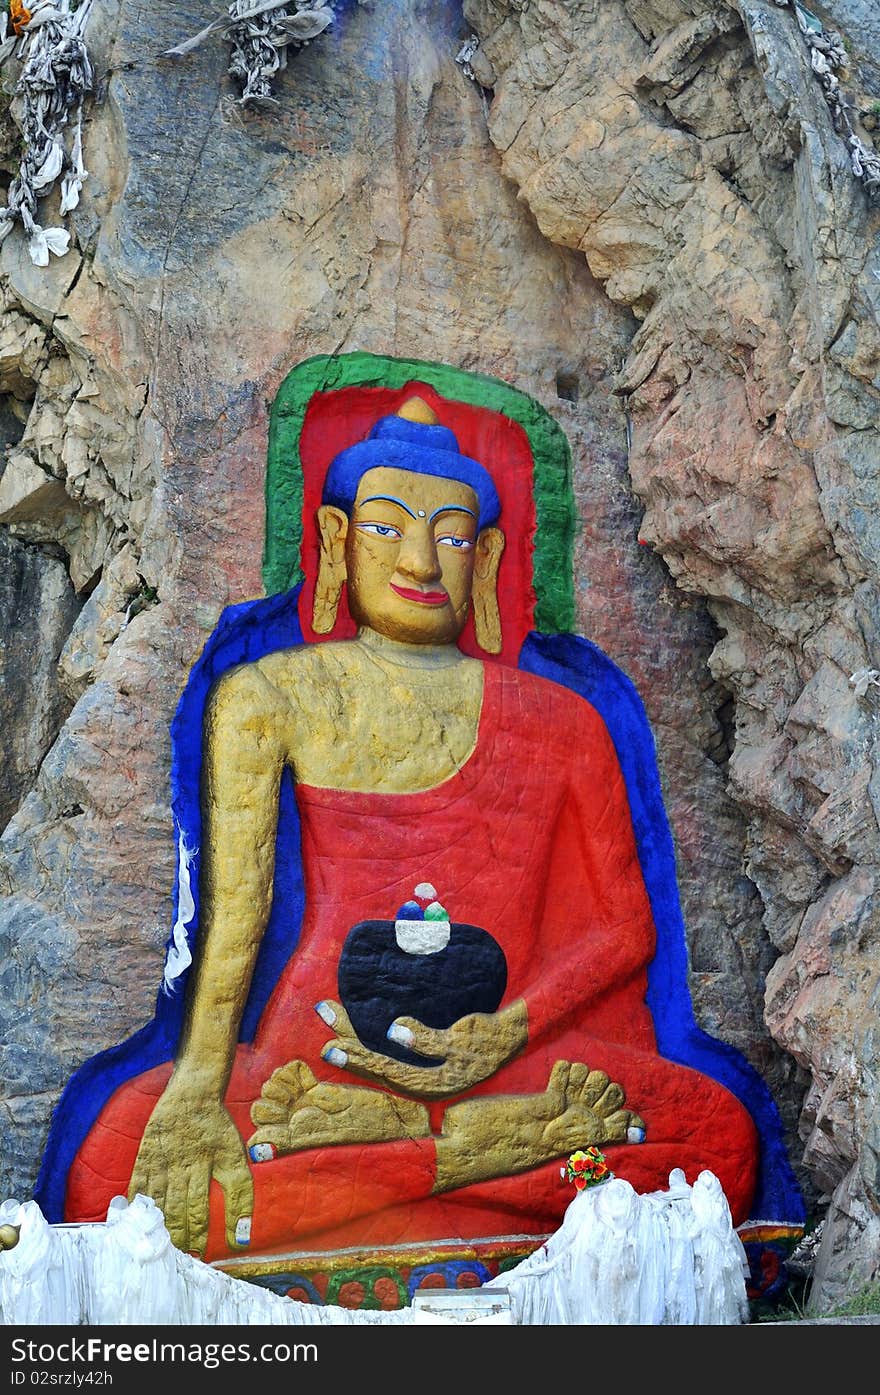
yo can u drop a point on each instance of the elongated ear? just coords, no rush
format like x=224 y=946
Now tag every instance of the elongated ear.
x=487 y=618
x=333 y=530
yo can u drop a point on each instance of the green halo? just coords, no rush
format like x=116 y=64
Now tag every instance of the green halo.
x=552 y=575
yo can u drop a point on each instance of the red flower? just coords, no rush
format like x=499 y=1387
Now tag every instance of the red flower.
x=587 y=1167
x=19 y=15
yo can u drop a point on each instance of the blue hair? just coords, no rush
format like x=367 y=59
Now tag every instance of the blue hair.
x=414 y=446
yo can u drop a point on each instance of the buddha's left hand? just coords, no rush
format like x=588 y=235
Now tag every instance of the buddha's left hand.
x=471 y=1050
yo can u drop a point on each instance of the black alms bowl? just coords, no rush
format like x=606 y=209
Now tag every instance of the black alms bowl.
x=379 y=981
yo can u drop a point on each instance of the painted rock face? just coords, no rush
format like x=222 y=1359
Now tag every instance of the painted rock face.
x=419 y=965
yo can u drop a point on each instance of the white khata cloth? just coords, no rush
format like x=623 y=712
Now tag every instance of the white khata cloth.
x=669 y=1257
x=661 y=1258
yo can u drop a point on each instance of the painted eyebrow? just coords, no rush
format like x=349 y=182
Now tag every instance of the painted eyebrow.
x=392 y=499
x=387 y=499
x=451 y=508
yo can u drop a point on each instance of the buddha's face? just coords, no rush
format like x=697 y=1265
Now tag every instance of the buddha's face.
x=409 y=555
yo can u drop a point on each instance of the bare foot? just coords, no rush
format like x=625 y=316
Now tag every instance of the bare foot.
x=497 y=1135
x=296 y=1111
x=589 y=1110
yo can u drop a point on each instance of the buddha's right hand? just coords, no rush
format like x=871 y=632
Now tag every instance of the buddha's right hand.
x=188 y=1141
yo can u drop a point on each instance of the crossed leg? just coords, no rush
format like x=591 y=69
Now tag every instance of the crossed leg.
x=296 y=1111
x=327 y=1196
x=484 y=1137
x=496 y=1136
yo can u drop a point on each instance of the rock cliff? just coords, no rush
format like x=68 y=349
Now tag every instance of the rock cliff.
x=641 y=214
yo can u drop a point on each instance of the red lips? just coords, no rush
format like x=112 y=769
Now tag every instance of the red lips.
x=420 y=597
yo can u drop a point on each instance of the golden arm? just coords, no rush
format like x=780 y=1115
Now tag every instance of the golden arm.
x=244 y=757
x=190 y=1137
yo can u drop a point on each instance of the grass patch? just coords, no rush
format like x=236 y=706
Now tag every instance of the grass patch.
x=792 y=1306
x=865 y=1303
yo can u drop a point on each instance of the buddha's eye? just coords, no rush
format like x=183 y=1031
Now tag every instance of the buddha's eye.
x=450 y=540
x=380 y=530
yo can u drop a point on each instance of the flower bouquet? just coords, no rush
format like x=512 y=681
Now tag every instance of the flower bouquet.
x=587 y=1168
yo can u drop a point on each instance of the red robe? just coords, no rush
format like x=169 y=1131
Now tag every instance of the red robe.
x=531 y=840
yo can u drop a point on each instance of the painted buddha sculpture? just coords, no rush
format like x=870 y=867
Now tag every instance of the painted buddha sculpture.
x=416 y=769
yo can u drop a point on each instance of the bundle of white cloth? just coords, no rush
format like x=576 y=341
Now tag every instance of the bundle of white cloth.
x=125 y=1271
x=620 y=1257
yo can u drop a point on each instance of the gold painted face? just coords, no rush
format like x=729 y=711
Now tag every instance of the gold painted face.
x=409 y=554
